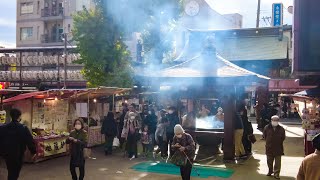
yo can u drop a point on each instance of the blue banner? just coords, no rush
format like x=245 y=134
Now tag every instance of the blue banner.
x=277 y=14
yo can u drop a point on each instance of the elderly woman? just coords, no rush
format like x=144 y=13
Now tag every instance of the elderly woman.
x=184 y=143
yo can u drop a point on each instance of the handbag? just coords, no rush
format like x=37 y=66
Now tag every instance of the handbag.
x=86 y=153
x=252 y=138
x=116 y=142
x=179 y=159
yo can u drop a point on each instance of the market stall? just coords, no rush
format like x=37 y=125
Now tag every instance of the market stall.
x=307 y=104
x=46 y=114
x=92 y=105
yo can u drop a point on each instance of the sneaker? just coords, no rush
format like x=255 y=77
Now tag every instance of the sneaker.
x=277 y=177
x=269 y=173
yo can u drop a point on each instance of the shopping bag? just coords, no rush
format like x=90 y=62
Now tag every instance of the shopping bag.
x=86 y=153
x=116 y=142
x=124 y=133
x=252 y=138
x=179 y=159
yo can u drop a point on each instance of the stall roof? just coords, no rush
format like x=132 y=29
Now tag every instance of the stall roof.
x=11 y=91
x=99 y=92
x=23 y=96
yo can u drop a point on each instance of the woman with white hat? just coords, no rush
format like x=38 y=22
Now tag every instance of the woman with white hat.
x=184 y=143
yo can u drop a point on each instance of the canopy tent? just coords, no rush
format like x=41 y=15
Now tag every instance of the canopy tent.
x=313 y=92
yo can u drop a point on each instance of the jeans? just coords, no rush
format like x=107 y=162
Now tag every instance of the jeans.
x=163 y=146
x=185 y=171
x=74 y=173
x=239 y=149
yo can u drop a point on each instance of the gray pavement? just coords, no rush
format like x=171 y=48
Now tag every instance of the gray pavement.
x=117 y=167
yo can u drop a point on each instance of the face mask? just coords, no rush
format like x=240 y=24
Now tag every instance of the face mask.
x=219 y=113
x=274 y=123
x=179 y=136
x=170 y=112
x=78 y=126
x=132 y=117
x=149 y=112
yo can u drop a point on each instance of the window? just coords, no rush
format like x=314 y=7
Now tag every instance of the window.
x=26 y=8
x=26 y=33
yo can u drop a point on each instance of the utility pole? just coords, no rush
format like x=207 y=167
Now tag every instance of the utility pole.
x=65 y=61
x=258 y=14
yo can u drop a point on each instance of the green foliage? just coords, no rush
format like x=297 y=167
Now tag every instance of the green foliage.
x=104 y=55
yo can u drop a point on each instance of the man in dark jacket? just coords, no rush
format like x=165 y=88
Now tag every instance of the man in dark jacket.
x=173 y=119
x=15 y=138
x=238 y=134
x=274 y=135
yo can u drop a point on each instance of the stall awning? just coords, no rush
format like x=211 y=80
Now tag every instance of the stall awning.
x=286 y=85
x=24 y=96
x=100 y=92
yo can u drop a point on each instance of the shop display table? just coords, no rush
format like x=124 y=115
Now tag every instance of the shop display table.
x=49 y=147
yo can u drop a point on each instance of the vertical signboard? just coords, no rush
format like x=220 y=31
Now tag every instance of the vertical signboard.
x=277 y=14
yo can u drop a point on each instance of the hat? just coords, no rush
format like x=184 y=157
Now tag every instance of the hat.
x=178 y=129
x=316 y=141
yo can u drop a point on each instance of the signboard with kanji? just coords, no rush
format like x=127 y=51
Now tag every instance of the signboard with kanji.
x=277 y=14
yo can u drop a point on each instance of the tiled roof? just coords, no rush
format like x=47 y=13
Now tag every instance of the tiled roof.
x=253 y=48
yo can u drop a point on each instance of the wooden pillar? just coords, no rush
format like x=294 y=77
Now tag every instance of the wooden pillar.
x=229 y=111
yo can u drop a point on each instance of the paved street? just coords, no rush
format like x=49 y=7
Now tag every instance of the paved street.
x=118 y=168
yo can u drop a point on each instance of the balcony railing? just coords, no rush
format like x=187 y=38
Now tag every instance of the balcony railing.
x=47 y=38
x=52 y=12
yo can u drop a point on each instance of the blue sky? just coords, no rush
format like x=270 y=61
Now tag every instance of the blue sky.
x=247 y=8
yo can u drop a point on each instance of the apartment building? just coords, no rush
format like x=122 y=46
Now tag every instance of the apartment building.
x=40 y=23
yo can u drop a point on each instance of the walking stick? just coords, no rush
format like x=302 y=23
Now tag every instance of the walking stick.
x=195 y=169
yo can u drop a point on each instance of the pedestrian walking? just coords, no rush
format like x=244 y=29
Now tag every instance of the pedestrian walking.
x=184 y=143
x=309 y=168
x=132 y=124
x=173 y=119
x=151 y=121
x=14 y=139
x=274 y=135
x=161 y=135
x=238 y=134
x=247 y=131
x=109 y=129
x=78 y=141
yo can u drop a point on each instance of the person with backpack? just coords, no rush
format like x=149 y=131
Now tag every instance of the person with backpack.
x=15 y=138
x=109 y=129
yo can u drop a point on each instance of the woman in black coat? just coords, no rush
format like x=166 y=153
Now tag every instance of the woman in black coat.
x=109 y=129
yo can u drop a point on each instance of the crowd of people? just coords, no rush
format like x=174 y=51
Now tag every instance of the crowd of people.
x=153 y=129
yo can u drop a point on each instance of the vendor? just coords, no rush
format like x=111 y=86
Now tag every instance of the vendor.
x=204 y=111
x=220 y=115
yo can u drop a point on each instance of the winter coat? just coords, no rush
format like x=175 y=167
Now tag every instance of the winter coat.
x=173 y=120
x=136 y=122
x=274 y=140
x=109 y=128
x=76 y=149
x=161 y=132
x=14 y=139
x=309 y=168
x=151 y=121
x=185 y=141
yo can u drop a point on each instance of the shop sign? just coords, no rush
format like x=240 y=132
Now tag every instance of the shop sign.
x=54 y=146
x=277 y=14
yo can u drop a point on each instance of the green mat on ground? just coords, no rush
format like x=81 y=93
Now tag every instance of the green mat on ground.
x=167 y=168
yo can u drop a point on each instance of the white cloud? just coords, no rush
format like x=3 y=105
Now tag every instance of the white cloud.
x=7 y=22
x=7 y=44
